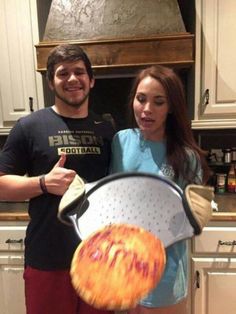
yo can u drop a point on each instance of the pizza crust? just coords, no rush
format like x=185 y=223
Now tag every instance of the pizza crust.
x=117 y=266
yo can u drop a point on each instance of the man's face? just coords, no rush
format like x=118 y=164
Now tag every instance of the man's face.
x=71 y=83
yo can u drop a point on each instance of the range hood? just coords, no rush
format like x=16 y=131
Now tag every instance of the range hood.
x=119 y=36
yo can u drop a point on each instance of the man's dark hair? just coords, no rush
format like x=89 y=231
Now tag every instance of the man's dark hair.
x=67 y=52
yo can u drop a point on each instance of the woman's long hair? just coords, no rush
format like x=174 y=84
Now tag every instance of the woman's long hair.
x=178 y=131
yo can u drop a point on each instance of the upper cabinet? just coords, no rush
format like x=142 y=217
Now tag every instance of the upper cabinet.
x=20 y=85
x=215 y=80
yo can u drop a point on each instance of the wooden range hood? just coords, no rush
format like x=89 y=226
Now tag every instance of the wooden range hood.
x=124 y=56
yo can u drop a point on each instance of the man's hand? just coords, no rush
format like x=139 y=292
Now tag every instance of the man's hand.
x=59 y=178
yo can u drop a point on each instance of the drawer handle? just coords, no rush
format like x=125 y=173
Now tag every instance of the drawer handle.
x=11 y=241
x=14 y=270
x=204 y=101
x=197 y=278
x=229 y=243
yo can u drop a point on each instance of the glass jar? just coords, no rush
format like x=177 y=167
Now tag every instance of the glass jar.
x=227 y=156
x=233 y=154
x=231 y=180
x=220 y=182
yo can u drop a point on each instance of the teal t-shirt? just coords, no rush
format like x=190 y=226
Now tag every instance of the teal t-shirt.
x=130 y=152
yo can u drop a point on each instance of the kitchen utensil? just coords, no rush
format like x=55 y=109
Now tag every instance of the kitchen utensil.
x=146 y=200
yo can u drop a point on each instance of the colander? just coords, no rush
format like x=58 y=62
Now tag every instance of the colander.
x=147 y=200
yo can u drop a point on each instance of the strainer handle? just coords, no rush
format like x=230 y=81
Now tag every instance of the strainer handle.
x=71 y=199
x=199 y=202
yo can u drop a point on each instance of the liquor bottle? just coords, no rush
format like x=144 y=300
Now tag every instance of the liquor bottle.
x=231 y=180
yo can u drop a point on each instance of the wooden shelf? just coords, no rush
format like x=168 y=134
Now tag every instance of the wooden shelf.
x=126 y=55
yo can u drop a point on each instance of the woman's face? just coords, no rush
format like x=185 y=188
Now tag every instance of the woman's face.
x=151 y=109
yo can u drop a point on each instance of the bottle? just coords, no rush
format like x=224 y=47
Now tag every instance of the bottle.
x=220 y=182
x=227 y=156
x=231 y=180
x=233 y=154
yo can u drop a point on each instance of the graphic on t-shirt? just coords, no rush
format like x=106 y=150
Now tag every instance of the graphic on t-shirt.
x=76 y=142
x=79 y=150
x=167 y=171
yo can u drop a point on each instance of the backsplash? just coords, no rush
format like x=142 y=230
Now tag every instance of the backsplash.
x=207 y=139
x=216 y=139
x=2 y=141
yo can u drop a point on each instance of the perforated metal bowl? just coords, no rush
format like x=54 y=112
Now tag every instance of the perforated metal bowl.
x=149 y=201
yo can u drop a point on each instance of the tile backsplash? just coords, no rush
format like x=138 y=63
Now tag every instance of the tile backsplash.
x=2 y=141
x=216 y=139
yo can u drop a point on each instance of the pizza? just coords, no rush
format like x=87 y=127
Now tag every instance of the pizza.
x=117 y=266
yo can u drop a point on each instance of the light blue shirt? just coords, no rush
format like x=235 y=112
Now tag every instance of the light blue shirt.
x=130 y=152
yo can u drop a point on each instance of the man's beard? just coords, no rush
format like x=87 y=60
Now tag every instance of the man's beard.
x=73 y=104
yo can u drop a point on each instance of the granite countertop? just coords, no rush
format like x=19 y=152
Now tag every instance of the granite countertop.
x=223 y=216
x=226 y=207
x=14 y=211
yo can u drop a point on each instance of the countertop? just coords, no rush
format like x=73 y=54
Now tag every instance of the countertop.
x=14 y=211
x=13 y=216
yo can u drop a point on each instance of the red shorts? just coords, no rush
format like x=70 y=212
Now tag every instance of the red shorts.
x=51 y=292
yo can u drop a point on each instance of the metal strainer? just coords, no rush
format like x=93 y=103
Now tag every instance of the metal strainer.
x=146 y=200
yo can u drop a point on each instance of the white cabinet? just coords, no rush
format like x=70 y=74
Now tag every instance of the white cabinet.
x=214 y=271
x=20 y=84
x=12 y=298
x=215 y=81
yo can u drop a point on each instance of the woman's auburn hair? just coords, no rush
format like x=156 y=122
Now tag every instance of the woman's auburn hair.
x=179 y=135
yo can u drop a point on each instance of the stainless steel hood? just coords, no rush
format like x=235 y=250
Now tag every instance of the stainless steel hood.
x=119 y=35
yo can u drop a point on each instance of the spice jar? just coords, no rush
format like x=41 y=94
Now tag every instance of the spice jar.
x=220 y=182
x=233 y=154
x=231 y=180
x=227 y=156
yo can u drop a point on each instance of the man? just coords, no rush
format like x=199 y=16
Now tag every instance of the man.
x=41 y=157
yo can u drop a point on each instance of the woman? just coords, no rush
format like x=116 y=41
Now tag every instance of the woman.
x=160 y=141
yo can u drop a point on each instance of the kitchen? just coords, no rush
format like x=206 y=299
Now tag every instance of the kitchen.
x=211 y=97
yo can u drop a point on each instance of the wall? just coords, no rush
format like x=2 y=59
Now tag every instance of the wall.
x=43 y=7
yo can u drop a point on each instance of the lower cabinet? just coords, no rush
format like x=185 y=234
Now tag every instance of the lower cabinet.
x=12 y=298
x=215 y=282
x=214 y=271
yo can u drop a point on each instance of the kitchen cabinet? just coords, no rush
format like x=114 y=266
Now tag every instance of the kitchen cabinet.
x=215 y=84
x=214 y=270
x=12 y=298
x=20 y=84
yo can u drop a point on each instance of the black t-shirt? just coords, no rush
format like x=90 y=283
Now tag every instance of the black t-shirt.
x=33 y=147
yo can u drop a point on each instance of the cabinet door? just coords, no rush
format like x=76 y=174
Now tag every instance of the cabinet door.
x=12 y=298
x=20 y=85
x=215 y=87
x=214 y=282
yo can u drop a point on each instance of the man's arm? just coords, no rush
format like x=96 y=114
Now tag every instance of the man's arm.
x=20 y=188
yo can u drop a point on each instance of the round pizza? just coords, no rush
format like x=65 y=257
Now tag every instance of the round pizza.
x=117 y=266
